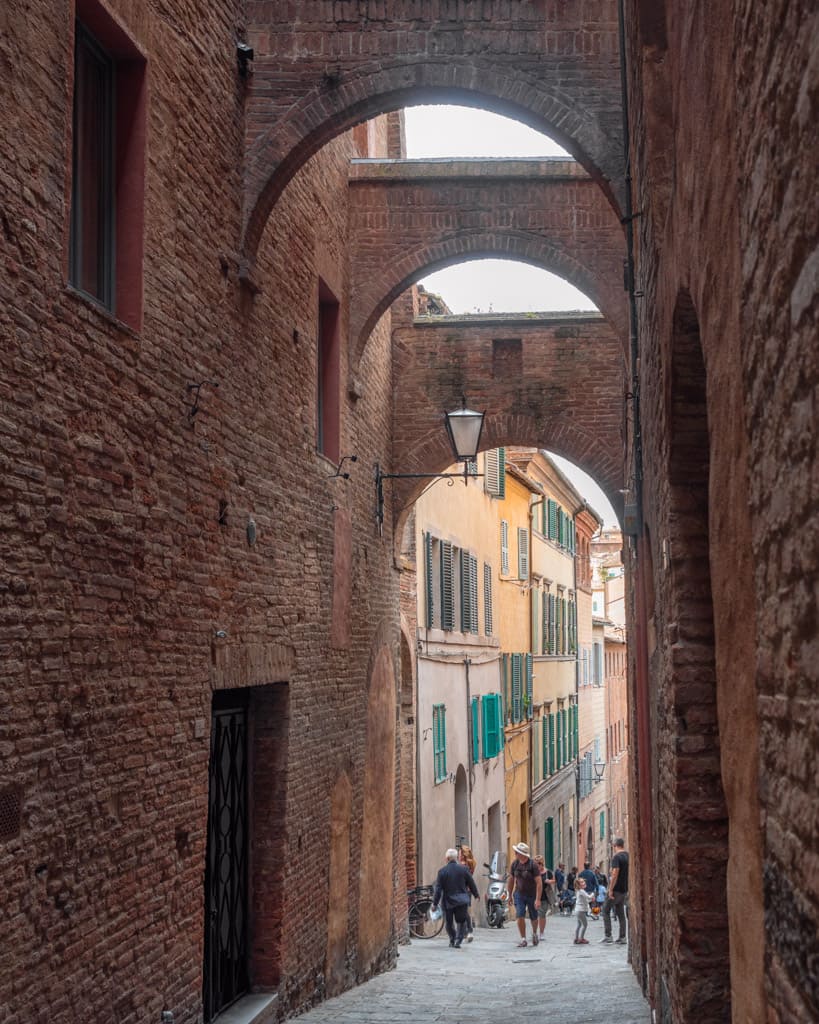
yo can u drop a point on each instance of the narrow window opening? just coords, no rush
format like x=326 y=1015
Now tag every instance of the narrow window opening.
x=329 y=364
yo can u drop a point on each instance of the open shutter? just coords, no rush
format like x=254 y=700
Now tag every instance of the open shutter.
x=476 y=731
x=544 y=743
x=501 y=724
x=549 y=844
x=517 y=687
x=504 y=547
x=490 y=471
x=559 y=740
x=466 y=593
x=552 y=624
x=545 y=623
x=473 y=594
x=552 y=760
x=535 y=621
x=523 y=553
x=529 y=687
x=504 y=672
x=552 y=509
x=447 y=587
x=487 y=599
x=501 y=472
x=535 y=768
x=428 y=588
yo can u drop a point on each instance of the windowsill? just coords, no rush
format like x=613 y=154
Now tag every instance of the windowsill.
x=256 y=1008
x=93 y=304
x=451 y=637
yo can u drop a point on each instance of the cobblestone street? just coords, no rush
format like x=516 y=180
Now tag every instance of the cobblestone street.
x=491 y=981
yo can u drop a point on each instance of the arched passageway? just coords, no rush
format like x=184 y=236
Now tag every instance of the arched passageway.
x=410 y=217
x=555 y=69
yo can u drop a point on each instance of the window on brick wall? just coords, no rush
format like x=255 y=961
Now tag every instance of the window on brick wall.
x=107 y=165
x=329 y=373
x=439 y=741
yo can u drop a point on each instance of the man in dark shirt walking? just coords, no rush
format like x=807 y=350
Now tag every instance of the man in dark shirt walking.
x=453 y=887
x=617 y=892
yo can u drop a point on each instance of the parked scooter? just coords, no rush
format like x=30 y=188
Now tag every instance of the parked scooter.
x=496 y=898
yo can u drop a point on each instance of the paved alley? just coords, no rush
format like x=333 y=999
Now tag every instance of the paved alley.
x=490 y=981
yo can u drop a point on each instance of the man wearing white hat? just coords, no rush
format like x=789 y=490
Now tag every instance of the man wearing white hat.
x=526 y=890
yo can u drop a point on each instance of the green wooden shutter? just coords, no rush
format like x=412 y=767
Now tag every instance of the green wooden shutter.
x=476 y=731
x=487 y=750
x=544 y=518
x=504 y=671
x=535 y=767
x=552 y=624
x=535 y=621
x=501 y=472
x=560 y=761
x=565 y=737
x=430 y=603
x=529 y=687
x=552 y=760
x=517 y=688
x=447 y=587
x=549 y=843
x=493 y=725
x=576 y=730
x=552 y=519
x=473 y=594
x=545 y=746
x=439 y=740
x=545 y=623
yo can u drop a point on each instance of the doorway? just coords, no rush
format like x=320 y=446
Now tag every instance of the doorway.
x=226 y=865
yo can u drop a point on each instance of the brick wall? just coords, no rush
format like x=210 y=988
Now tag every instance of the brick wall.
x=116 y=570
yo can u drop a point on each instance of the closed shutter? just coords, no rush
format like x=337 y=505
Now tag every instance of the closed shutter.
x=504 y=547
x=473 y=594
x=529 y=687
x=549 y=844
x=552 y=624
x=447 y=587
x=439 y=740
x=517 y=687
x=487 y=599
x=476 y=731
x=559 y=627
x=552 y=759
x=523 y=553
x=491 y=725
x=428 y=588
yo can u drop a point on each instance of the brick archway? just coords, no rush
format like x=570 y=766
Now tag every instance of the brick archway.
x=561 y=77
x=408 y=218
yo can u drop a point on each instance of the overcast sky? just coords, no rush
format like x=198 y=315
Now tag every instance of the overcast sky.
x=502 y=286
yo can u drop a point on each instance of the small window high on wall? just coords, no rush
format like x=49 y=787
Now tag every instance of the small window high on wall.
x=107 y=165
x=329 y=372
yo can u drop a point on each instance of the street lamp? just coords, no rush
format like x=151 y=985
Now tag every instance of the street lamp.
x=599 y=770
x=464 y=427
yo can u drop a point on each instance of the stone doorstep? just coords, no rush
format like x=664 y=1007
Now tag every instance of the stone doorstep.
x=256 y=1008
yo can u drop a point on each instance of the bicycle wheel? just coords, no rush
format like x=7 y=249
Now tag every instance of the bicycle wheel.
x=421 y=925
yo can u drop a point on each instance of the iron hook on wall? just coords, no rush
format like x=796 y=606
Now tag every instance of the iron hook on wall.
x=197 y=389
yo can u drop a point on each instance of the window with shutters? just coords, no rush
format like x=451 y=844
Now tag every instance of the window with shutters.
x=469 y=592
x=517 y=687
x=559 y=725
x=447 y=586
x=529 y=696
x=602 y=825
x=552 y=751
x=552 y=624
x=552 y=523
x=439 y=740
x=487 y=600
x=523 y=553
x=106 y=224
x=504 y=529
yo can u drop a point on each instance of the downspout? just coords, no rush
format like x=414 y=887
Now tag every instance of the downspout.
x=467 y=663
x=628 y=222
x=577 y=512
x=533 y=505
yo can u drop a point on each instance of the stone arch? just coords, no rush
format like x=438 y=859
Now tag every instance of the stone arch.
x=284 y=143
x=693 y=866
x=375 y=300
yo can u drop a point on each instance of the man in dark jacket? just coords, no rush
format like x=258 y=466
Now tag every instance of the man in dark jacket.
x=453 y=886
x=590 y=879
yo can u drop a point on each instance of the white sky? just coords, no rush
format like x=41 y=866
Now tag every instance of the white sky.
x=503 y=286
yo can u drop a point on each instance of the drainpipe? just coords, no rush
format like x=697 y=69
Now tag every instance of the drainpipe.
x=628 y=223
x=467 y=663
x=577 y=512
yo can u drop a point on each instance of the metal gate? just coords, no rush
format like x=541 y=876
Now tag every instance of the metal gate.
x=225 y=969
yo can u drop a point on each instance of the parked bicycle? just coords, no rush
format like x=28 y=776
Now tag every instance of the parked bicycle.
x=421 y=924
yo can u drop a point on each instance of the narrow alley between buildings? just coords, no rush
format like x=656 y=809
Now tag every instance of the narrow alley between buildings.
x=491 y=981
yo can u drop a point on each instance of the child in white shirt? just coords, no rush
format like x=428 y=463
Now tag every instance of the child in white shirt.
x=581 y=908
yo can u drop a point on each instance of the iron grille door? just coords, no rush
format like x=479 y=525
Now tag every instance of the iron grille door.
x=225 y=969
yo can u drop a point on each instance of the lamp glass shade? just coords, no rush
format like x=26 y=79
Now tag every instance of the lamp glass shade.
x=464 y=428
x=599 y=769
